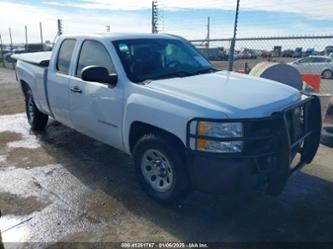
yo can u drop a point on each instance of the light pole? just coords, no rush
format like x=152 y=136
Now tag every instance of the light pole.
x=26 y=35
x=233 y=40
x=41 y=32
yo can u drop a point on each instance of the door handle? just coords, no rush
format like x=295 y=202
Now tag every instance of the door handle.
x=76 y=89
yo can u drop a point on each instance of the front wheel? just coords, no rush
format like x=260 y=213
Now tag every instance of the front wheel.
x=161 y=168
x=327 y=74
x=36 y=119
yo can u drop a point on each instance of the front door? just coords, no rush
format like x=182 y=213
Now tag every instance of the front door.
x=96 y=108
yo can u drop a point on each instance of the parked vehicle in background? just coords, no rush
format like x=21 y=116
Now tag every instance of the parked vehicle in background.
x=187 y=125
x=287 y=53
x=8 y=56
x=322 y=65
x=266 y=54
x=328 y=50
x=298 y=53
x=276 y=51
x=247 y=54
x=214 y=54
x=36 y=47
x=310 y=51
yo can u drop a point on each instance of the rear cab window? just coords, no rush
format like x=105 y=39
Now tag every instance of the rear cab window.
x=65 y=56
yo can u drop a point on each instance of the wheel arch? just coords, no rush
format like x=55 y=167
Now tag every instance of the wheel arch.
x=138 y=129
x=326 y=69
x=25 y=88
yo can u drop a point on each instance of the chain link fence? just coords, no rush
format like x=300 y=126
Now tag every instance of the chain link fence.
x=266 y=31
x=309 y=54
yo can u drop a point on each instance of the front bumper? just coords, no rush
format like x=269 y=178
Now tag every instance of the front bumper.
x=270 y=145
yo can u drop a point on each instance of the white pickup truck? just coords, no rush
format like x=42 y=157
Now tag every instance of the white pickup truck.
x=187 y=125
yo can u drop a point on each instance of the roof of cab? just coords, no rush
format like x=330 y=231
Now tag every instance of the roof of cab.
x=121 y=36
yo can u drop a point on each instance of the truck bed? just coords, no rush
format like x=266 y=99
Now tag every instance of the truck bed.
x=41 y=59
x=32 y=71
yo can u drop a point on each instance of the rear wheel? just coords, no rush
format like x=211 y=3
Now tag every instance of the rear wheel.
x=161 y=169
x=327 y=74
x=36 y=119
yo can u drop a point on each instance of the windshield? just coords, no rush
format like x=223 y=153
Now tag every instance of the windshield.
x=150 y=59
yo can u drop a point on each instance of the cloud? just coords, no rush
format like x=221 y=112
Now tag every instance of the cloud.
x=321 y=10
x=17 y=16
x=91 y=16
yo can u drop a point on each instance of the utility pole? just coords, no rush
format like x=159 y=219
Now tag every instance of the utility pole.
x=41 y=35
x=41 y=32
x=60 y=31
x=233 y=40
x=26 y=35
x=108 y=28
x=208 y=33
x=154 y=17
x=11 y=40
x=1 y=50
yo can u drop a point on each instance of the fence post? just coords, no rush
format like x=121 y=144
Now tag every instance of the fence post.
x=1 y=50
x=11 y=39
x=233 y=40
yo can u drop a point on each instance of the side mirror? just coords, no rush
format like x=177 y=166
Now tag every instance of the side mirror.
x=98 y=74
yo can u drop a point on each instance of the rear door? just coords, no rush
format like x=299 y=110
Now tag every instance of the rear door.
x=319 y=65
x=305 y=65
x=58 y=81
x=96 y=108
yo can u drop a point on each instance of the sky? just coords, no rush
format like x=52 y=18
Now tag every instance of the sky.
x=187 y=18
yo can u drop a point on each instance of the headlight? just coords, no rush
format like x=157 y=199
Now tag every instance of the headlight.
x=220 y=130
x=218 y=146
x=206 y=133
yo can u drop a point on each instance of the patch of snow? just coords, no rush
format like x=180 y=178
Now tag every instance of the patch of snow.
x=18 y=123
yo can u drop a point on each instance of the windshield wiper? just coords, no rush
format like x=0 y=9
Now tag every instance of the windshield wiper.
x=205 y=70
x=180 y=74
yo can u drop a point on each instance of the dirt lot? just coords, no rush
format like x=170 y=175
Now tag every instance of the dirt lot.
x=63 y=186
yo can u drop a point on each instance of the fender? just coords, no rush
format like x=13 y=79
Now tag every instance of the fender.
x=156 y=112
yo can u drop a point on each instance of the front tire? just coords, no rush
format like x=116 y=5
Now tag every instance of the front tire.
x=327 y=74
x=36 y=119
x=160 y=166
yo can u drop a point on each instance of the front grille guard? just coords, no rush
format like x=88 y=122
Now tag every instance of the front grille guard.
x=281 y=138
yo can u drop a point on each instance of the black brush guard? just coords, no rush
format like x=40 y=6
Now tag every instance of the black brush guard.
x=273 y=142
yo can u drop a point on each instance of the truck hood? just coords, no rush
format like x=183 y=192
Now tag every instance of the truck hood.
x=232 y=94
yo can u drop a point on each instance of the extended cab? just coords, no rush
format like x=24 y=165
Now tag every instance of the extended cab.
x=187 y=125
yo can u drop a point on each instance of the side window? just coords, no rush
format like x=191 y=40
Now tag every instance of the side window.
x=65 y=56
x=319 y=60
x=94 y=53
x=306 y=60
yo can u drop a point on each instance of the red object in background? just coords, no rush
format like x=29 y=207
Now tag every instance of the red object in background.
x=312 y=80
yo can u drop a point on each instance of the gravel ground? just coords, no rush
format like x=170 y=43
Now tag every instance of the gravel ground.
x=61 y=186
